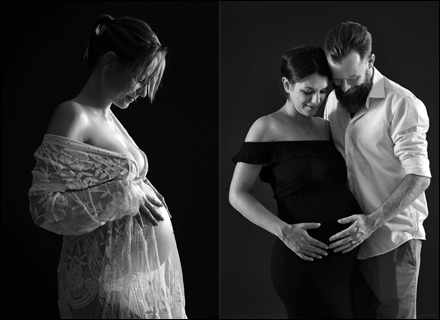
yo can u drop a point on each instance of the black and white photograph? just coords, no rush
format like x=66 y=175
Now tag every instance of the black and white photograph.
x=109 y=159
x=328 y=143
x=219 y=159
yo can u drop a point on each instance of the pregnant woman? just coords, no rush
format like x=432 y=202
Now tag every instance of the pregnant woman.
x=294 y=152
x=119 y=257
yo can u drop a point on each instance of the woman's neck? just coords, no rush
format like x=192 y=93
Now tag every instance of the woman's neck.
x=92 y=95
x=293 y=115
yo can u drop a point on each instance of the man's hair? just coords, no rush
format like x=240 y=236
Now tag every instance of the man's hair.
x=347 y=37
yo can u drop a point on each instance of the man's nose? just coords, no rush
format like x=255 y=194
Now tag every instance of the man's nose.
x=345 y=86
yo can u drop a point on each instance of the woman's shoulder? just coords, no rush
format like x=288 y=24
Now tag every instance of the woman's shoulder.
x=323 y=125
x=320 y=121
x=70 y=107
x=263 y=129
x=69 y=120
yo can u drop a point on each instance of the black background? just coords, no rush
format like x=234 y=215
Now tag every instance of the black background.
x=253 y=36
x=42 y=46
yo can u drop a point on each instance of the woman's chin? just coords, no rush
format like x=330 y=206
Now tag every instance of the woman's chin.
x=121 y=104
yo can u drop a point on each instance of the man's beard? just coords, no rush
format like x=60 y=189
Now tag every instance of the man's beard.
x=355 y=98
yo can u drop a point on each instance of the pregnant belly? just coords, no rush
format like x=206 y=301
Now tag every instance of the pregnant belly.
x=163 y=232
x=153 y=242
x=164 y=236
x=323 y=207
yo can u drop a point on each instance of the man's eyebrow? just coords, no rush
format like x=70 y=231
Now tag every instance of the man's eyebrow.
x=350 y=77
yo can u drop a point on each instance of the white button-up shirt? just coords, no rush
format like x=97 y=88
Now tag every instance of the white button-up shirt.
x=385 y=141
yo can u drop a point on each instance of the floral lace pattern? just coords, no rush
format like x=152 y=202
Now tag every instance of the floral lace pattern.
x=110 y=264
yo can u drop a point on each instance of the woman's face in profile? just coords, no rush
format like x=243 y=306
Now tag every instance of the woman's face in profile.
x=308 y=95
x=118 y=87
x=127 y=85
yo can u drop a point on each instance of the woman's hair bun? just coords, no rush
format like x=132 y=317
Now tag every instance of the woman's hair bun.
x=102 y=23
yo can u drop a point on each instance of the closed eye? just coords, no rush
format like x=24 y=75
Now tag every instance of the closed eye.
x=144 y=82
x=310 y=92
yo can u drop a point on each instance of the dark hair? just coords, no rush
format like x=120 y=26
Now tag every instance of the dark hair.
x=346 y=37
x=133 y=42
x=302 y=61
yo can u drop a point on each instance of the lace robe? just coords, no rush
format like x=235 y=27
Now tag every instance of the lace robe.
x=114 y=263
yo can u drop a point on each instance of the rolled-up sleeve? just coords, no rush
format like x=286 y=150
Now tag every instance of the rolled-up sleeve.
x=409 y=126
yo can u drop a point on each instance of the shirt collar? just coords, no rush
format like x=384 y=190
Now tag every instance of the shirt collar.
x=378 y=88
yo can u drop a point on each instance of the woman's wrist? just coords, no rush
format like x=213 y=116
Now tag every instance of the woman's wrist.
x=281 y=229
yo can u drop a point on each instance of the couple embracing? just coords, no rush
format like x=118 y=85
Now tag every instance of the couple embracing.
x=349 y=187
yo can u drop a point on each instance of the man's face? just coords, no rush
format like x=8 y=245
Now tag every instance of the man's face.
x=352 y=79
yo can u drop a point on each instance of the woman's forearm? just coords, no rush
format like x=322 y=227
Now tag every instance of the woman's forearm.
x=254 y=211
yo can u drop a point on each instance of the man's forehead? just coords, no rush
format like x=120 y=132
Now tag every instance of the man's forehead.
x=349 y=67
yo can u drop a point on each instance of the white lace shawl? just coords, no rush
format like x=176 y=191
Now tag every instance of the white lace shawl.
x=109 y=265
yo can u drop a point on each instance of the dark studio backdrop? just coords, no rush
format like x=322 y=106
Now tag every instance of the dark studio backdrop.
x=253 y=37
x=42 y=46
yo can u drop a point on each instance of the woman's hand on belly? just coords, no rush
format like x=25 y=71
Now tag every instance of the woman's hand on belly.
x=149 y=208
x=159 y=240
x=164 y=236
x=150 y=205
x=153 y=210
x=296 y=238
x=161 y=198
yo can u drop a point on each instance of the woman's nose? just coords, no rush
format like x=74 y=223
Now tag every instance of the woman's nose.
x=316 y=98
x=142 y=91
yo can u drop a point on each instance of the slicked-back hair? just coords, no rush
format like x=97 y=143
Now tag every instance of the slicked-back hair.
x=303 y=61
x=347 y=37
x=134 y=44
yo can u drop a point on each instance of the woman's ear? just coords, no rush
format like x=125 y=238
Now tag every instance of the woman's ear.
x=286 y=84
x=109 y=61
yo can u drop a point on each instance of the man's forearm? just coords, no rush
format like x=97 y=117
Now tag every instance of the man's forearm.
x=411 y=187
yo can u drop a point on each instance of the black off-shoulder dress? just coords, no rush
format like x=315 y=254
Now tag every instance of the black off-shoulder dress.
x=308 y=179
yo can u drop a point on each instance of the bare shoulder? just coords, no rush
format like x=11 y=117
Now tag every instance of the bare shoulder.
x=262 y=129
x=69 y=120
x=321 y=122
x=323 y=126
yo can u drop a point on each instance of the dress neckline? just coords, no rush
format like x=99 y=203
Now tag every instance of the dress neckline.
x=288 y=141
x=127 y=156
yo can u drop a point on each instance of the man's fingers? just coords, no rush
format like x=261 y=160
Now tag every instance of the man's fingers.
x=341 y=247
x=337 y=236
x=343 y=233
x=348 y=219
x=351 y=247
x=339 y=243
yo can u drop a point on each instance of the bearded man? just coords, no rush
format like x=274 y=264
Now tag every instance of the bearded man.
x=380 y=129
